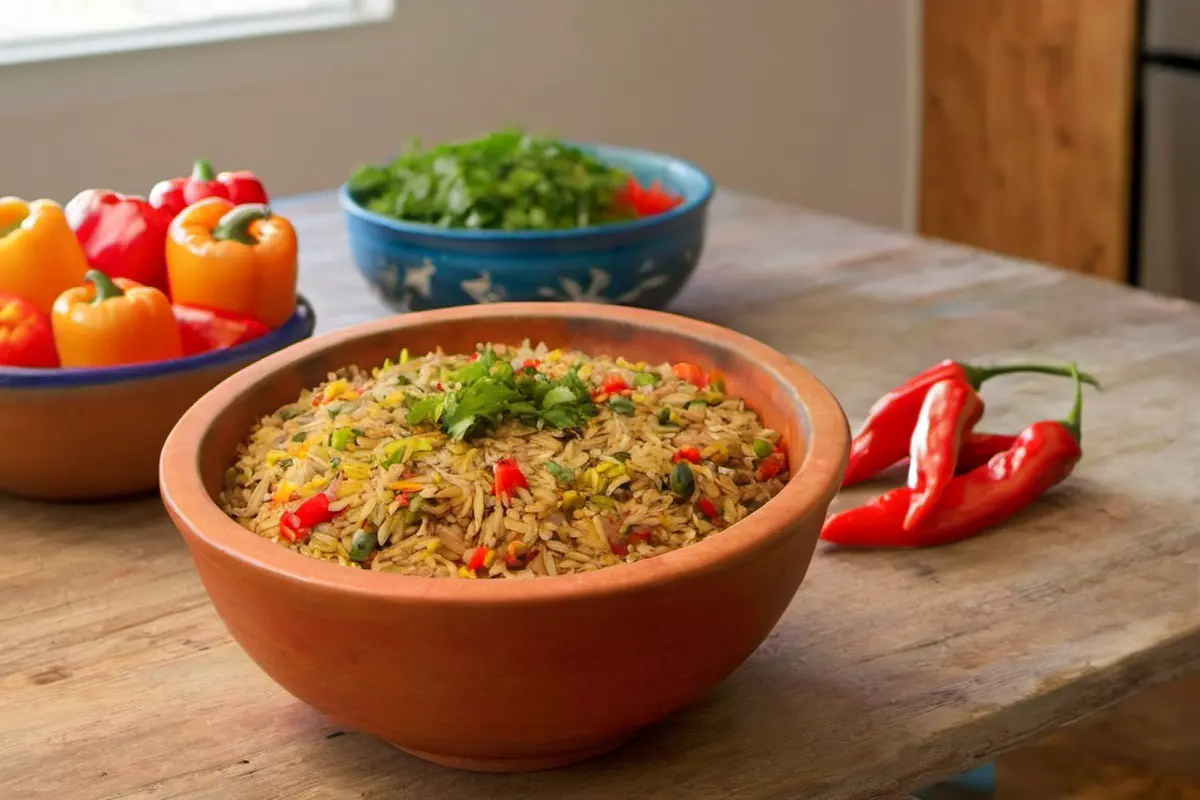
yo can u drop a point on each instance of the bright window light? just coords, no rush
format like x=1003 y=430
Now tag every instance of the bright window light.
x=36 y=30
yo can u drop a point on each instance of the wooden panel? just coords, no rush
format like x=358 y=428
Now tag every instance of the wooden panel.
x=1025 y=147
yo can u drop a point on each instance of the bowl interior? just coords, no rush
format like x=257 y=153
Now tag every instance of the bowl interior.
x=786 y=396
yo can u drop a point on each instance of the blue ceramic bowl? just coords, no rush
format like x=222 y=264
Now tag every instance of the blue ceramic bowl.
x=93 y=434
x=645 y=263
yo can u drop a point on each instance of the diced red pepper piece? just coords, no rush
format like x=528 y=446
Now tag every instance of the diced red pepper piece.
x=476 y=558
x=619 y=547
x=508 y=478
x=691 y=374
x=473 y=357
x=291 y=529
x=531 y=363
x=640 y=534
x=613 y=384
x=707 y=508
x=295 y=526
x=771 y=466
x=691 y=454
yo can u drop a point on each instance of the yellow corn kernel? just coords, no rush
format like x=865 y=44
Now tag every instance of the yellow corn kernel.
x=640 y=366
x=404 y=355
x=638 y=397
x=554 y=355
x=335 y=389
x=284 y=492
x=585 y=370
x=490 y=558
x=571 y=500
x=463 y=572
x=393 y=399
x=432 y=545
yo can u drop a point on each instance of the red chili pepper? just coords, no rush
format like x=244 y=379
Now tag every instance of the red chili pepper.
x=690 y=373
x=978 y=448
x=707 y=508
x=477 y=558
x=613 y=384
x=508 y=478
x=691 y=454
x=951 y=409
x=204 y=329
x=884 y=438
x=645 y=202
x=122 y=236
x=176 y=194
x=1040 y=457
x=26 y=335
x=296 y=525
x=771 y=466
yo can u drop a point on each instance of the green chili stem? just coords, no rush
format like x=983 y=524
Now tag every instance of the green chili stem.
x=235 y=225
x=977 y=375
x=202 y=171
x=105 y=288
x=1074 y=420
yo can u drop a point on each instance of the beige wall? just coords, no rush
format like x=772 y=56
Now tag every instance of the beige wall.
x=805 y=100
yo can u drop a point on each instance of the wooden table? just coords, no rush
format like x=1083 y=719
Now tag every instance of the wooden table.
x=889 y=670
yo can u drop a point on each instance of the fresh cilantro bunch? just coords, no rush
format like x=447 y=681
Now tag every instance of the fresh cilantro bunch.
x=508 y=180
x=490 y=391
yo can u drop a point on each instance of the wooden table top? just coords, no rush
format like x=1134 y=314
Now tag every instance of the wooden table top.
x=118 y=680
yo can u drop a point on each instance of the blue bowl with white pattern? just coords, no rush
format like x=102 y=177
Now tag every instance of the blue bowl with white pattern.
x=644 y=262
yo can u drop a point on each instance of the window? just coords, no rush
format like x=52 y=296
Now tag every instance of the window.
x=36 y=30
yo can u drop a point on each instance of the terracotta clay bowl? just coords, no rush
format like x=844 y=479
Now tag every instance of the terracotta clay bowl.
x=508 y=675
x=95 y=434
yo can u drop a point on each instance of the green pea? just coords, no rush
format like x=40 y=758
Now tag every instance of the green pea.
x=622 y=406
x=683 y=484
x=362 y=545
x=762 y=448
x=646 y=379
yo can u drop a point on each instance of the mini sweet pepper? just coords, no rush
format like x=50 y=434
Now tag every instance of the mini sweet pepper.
x=203 y=330
x=176 y=194
x=39 y=255
x=239 y=259
x=110 y=322
x=122 y=236
x=26 y=339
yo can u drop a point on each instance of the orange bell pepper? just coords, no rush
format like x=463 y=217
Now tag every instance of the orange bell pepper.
x=240 y=259
x=39 y=254
x=111 y=322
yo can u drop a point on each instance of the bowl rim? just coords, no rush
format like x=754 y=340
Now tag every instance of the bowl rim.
x=351 y=206
x=814 y=482
x=299 y=326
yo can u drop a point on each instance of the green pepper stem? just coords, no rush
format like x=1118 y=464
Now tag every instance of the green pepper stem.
x=977 y=375
x=105 y=288
x=1074 y=420
x=235 y=225
x=203 y=171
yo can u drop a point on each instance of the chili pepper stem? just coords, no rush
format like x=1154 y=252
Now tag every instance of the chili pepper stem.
x=105 y=288
x=235 y=225
x=1074 y=420
x=977 y=375
x=203 y=171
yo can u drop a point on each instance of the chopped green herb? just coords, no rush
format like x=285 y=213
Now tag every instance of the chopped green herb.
x=697 y=404
x=558 y=395
x=300 y=437
x=333 y=411
x=507 y=180
x=604 y=501
x=622 y=406
x=664 y=416
x=646 y=379
x=427 y=409
x=335 y=464
x=561 y=474
x=341 y=438
x=290 y=412
x=622 y=456
x=285 y=463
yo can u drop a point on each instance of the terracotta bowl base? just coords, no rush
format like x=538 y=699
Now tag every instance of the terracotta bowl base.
x=521 y=763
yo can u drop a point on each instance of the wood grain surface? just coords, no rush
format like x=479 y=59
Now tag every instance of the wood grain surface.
x=1026 y=128
x=117 y=680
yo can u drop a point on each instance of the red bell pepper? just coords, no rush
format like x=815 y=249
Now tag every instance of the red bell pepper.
x=203 y=329
x=691 y=454
x=646 y=201
x=707 y=508
x=26 y=337
x=176 y=194
x=296 y=525
x=122 y=236
x=508 y=478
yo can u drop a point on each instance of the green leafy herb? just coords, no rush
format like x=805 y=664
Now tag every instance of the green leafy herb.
x=290 y=412
x=646 y=379
x=300 y=437
x=561 y=474
x=507 y=180
x=427 y=409
x=622 y=406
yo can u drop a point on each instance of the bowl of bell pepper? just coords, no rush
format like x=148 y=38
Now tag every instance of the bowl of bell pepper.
x=514 y=217
x=118 y=312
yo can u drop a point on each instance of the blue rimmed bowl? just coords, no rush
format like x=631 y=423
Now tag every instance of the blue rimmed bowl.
x=96 y=434
x=643 y=263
